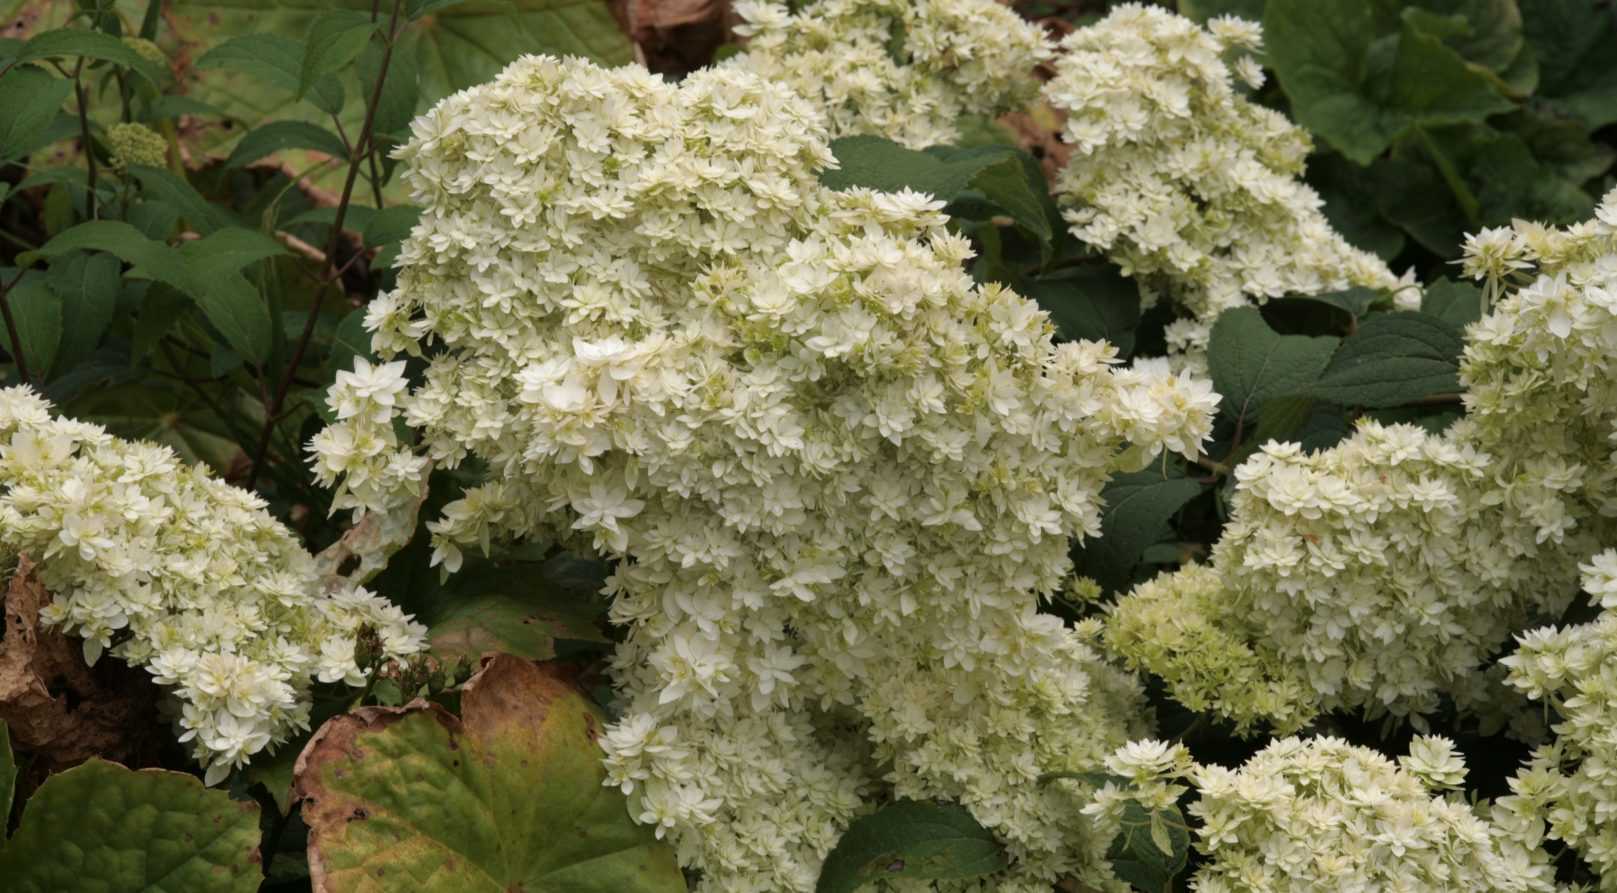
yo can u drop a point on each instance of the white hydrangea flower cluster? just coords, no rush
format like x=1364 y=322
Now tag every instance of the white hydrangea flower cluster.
x=1569 y=784
x=905 y=70
x=837 y=473
x=1385 y=571
x=167 y=568
x=1183 y=181
x=1322 y=814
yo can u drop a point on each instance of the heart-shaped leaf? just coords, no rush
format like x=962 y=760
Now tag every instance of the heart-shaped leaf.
x=507 y=796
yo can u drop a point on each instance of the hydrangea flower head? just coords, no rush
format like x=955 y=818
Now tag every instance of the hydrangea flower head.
x=166 y=568
x=1183 y=181
x=835 y=472
x=905 y=70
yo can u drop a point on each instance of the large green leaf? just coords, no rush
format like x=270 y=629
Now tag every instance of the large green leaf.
x=278 y=136
x=79 y=42
x=1457 y=303
x=1573 y=40
x=1251 y=363
x=911 y=839
x=527 y=627
x=1393 y=359
x=101 y=827
x=29 y=100
x=1138 y=508
x=1360 y=77
x=87 y=286
x=38 y=315
x=508 y=796
x=459 y=45
x=1091 y=303
x=164 y=414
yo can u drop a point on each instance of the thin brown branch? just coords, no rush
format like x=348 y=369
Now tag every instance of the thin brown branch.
x=363 y=147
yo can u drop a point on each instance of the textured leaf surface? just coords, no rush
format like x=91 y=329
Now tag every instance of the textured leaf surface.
x=456 y=46
x=507 y=797
x=1095 y=304
x=1360 y=79
x=1251 y=363
x=1138 y=507
x=102 y=827
x=522 y=626
x=1393 y=359
x=911 y=839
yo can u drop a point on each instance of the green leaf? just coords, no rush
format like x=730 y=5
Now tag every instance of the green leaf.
x=911 y=839
x=99 y=826
x=391 y=224
x=1413 y=195
x=1092 y=303
x=1487 y=33
x=275 y=61
x=62 y=42
x=1360 y=78
x=38 y=315
x=31 y=100
x=1508 y=181
x=527 y=627
x=151 y=258
x=164 y=186
x=508 y=796
x=1573 y=41
x=1354 y=301
x=8 y=777
x=87 y=286
x=1251 y=363
x=1138 y=509
x=155 y=411
x=881 y=164
x=1457 y=303
x=1349 y=192
x=1152 y=847
x=349 y=341
x=459 y=46
x=231 y=303
x=334 y=40
x=1393 y=359
x=395 y=108
x=278 y=136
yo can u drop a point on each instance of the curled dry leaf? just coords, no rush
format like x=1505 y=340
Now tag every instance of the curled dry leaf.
x=59 y=709
x=507 y=796
x=674 y=36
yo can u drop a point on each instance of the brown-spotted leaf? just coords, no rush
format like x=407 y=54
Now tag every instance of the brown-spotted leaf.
x=506 y=797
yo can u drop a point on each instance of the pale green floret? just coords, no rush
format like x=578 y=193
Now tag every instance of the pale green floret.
x=131 y=143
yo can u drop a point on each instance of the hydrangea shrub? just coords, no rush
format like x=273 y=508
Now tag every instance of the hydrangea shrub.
x=837 y=473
